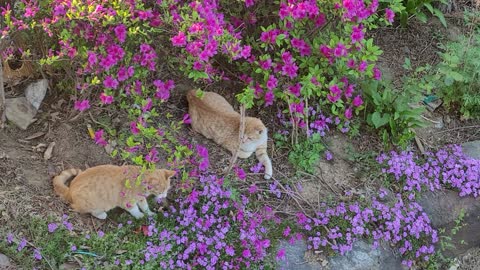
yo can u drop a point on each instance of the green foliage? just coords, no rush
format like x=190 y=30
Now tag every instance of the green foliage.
x=457 y=76
x=439 y=260
x=305 y=155
x=391 y=112
x=408 y=8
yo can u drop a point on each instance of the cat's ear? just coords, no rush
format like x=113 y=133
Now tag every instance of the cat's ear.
x=169 y=173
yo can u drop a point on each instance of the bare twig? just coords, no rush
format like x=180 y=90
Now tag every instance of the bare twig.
x=241 y=134
x=3 y=118
x=457 y=128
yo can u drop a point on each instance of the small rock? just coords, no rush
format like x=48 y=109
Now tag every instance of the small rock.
x=4 y=261
x=364 y=257
x=20 y=112
x=35 y=92
x=295 y=257
x=472 y=149
x=48 y=153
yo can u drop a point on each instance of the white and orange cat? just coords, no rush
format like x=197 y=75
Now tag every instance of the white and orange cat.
x=213 y=117
x=102 y=188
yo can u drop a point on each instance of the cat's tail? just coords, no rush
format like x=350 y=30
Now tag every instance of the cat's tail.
x=59 y=183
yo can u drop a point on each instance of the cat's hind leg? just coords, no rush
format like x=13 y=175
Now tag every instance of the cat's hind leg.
x=143 y=204
x=134 y=211
x=99 y=214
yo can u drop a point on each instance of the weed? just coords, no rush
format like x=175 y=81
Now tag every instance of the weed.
x=306 y=154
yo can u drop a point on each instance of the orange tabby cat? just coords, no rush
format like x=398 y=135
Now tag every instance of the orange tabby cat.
x=101 y=188
x=215 y=118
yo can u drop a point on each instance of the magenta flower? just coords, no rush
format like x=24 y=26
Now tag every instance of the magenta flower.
x=357 y=34
x=240 y=173
x=348 y=113
x=377 y=74
x=357 y=101
x=202 y=151
x=252 y=189
x=281 y=254
x=179 y=40
x=92 y=58
x=362 y=66
x=106 y=99
x=246 y=253
x=152 y=156
x=133 y=128
x=163 y=89
x=82 y=105
x=269 y=98
x=272 y=82
x=249 y=3
x=98 y=137
x=186 y=119
x=110 y=82
x=340 y=50
x=389 y=15
x=120 y=32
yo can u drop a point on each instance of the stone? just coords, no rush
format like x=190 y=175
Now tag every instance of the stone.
x=4 y=261
x=444 y=210
x=20 y=112
x=472 y=149
x=364 y=257
x=295 y=257
x=35 y=92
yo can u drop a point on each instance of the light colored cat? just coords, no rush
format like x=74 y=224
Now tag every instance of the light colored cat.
x=101 y=188
x=213 y=117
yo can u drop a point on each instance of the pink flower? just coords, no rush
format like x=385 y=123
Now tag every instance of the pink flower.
x=357 y=101
x=249 y=3
x=357 y=33
x=122 y=74
x=252 y=189
x=99 y=138
x=179 y=40
x=82 y=105
x=152 y=156
x=286 y=232
x=272 y=82
x=377 y=74
x=348 y=113
x=240 y=173
x=120 y=32
x=281 y=254
x=363 y=66
x=110 y=82
x=106 y=99
x=186 y=119
x=389 y=15
x=340 y=50
x=92 y=58
x=246 y=253
x=163 y=89
x=133 y=128
x=246 y=51
x=269 y=98
x=295 y=89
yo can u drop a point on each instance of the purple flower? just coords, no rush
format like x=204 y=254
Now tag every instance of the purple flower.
x=100 y=234
x=37 y=255
x=52 y=227
x=328 y=155
x=73 y=248
x=22 y=244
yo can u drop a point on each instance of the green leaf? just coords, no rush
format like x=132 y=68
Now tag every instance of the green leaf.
x=378 y=120
x=440 y=16
x=429 y=7
x=421 y=17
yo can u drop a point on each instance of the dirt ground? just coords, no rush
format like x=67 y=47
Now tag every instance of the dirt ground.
x=25 y=176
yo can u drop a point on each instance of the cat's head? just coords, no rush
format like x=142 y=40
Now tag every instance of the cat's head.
x=158 y=182
x=255 y=131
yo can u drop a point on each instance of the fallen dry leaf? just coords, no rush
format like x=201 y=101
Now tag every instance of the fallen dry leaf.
x=48 y=153
x=35 y=135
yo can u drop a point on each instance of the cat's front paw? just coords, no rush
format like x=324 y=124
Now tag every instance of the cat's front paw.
x=267 y=176
x=150 y=213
